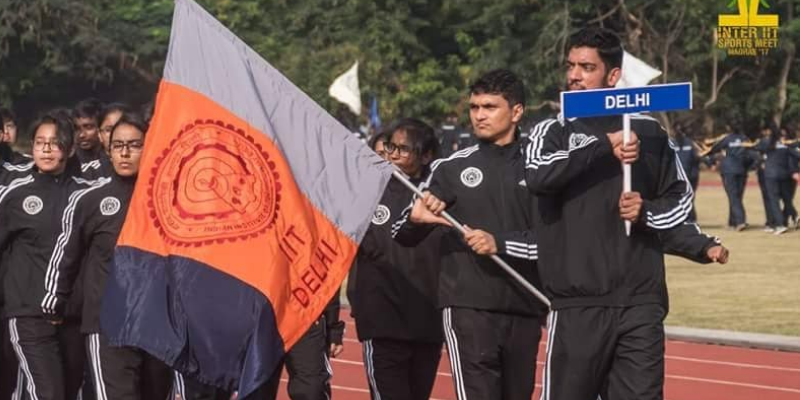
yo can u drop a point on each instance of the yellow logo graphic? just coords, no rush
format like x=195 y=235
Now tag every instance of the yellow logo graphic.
x=748 y=33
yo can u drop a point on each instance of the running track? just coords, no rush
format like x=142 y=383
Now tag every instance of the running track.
x=694 y=372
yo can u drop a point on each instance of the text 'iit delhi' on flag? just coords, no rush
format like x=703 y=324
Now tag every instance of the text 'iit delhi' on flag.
x=247 y=213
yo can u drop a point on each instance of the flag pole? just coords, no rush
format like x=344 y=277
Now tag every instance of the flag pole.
x=514 y=274
x=626 y=168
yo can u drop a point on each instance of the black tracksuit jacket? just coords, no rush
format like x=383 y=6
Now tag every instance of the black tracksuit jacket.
x=484 y=188
x=35 y=210
x=89 y=248
x=13 y=164
x=98 y=168
x=585 y=257
x=392 y=288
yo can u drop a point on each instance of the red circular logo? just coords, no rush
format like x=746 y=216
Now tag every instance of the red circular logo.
x=214 y=183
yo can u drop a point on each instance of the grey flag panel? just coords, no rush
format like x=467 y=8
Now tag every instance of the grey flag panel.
x=341 y=176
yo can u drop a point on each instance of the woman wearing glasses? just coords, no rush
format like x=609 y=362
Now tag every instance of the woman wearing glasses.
x=117 y=372
x=35 y=209
x=393 y=290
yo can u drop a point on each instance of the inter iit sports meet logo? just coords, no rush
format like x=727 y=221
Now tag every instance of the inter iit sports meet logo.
x=747 y=33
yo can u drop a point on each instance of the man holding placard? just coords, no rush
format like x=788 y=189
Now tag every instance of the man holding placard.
x=607 y=286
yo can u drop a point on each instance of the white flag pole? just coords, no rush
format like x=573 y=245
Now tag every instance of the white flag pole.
x=635 y=73
x=626 y=168
x=514 y=274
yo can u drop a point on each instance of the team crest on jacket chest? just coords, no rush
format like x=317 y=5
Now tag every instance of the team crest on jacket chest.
x=32 y=205
x=471 y=177
x=382 y=215
x=576 y=139
x=109 y=206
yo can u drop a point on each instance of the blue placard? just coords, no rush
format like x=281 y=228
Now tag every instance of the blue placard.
x=594 y=103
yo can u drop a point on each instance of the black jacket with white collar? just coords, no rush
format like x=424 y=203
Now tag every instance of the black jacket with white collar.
x=585 y=257
x=36 y=220
x=484 y=188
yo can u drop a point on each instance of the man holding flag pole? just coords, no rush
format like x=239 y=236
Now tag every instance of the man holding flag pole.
x=607 y=281
x=492 y=322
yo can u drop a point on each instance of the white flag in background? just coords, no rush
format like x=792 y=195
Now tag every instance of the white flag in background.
x=345 y=89
x=636 y=72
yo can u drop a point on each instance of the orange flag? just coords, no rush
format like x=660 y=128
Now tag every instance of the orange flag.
x=246 y=217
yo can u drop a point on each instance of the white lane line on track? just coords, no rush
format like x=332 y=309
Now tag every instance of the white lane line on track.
x=729 y=383
x=695 y=360
x=732 y=364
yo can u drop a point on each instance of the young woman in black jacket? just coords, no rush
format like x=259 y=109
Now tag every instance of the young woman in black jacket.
x=117 y=372
x=392 y=288
x=34 y=211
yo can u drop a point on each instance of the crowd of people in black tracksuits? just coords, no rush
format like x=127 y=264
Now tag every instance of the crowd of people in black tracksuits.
x=550 y=205
x=61 y=212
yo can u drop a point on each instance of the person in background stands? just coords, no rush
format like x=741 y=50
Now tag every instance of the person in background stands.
x=86 y=117
x=733 y=169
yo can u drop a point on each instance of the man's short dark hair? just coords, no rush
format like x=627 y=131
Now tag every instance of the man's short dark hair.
x=133 y=119
x=421 y=136
x=502 y=82
x=88 y=108
x=65 y=128
x=607 y=43
x=112 y=108
x=6 y=115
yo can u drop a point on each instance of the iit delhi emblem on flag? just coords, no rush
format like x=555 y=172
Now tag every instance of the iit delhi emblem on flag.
x=213 y=183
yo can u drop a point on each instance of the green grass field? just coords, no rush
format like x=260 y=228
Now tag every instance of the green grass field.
x=757 y=291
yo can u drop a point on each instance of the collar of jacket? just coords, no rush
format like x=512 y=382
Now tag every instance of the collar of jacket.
x=508 y=151
x=88 y=155
x=51 y=178
x=124 y=180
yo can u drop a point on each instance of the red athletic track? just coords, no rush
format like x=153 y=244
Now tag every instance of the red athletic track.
x=694 y=372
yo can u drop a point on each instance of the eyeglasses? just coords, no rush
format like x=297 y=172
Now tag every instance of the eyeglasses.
x=52 y=145
x=133 y=146
x=402 y=149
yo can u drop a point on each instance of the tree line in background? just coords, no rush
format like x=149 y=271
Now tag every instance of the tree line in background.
x=416 y=56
